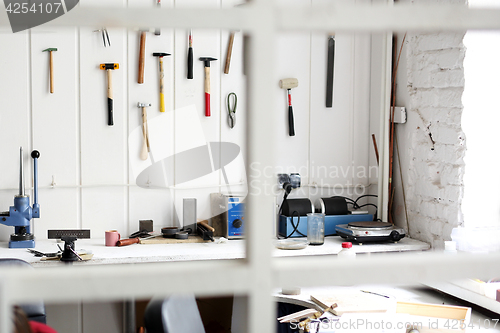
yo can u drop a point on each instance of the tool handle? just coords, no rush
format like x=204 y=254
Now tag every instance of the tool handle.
x=51 y=65
x=203 y=223
x=291 y=129
x=330 y=72
x=140 y=79
x=129 y=241
x=207 y=91
x=110 y=97
x=162 y=86
x=190 y=63
x=229 y=52
x=144 y=149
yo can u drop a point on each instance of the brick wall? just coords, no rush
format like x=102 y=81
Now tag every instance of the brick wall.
x=431 y=143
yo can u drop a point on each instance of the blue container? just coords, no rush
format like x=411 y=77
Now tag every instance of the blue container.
x=285 y=224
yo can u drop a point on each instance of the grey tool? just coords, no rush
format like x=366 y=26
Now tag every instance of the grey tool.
x=330 y=71
x=105 y=36
x=231 y=110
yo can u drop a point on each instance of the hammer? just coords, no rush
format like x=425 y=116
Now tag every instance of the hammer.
x=145 y=143
x=162 y=76
x=288 y=84
x=207 y=60
x=51 y=70
x=109 y=67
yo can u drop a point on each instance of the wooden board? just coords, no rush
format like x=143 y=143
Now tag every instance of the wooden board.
x=161 y=240
x=353 y=302
x=434 y=310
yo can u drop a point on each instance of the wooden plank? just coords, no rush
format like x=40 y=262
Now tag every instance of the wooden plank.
x=161 y=240
x=433 y=310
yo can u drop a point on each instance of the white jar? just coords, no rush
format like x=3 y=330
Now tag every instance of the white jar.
x=347 y=251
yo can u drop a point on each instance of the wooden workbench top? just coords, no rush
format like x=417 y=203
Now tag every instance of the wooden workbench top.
x=230 y=249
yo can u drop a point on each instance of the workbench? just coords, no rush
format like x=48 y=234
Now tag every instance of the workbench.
x=230 y=249
x=420 y=294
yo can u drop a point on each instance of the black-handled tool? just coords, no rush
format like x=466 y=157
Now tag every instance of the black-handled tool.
x=288 y=84
x=109 y=67
x=330 y=71
x=190 y=57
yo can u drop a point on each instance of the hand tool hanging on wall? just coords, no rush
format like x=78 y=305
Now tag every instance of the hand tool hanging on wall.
x=145 y=144
x=231 y=120
x=288 y=84
x=109 y=67
x=142 y=50
x=105 y=36
x=157 y=30
x=330 y=71
x=190 y=56
x=51 y=67
x=229 y=52
x=160 y=56
x=207 y=60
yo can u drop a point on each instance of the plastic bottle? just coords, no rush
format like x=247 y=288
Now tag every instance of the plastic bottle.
x=347 y=251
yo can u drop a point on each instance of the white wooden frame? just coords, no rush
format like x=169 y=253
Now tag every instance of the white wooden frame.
x=259 y=273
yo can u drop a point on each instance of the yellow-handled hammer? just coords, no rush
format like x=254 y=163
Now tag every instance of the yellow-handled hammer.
x=160 y=56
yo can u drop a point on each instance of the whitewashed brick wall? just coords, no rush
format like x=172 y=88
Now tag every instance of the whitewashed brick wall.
x=431 y=143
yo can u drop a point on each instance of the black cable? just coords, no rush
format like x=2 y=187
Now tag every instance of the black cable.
x=351 y=201
x=295 y=227
x=369 y=204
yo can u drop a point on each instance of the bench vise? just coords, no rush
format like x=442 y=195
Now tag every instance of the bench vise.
x=21 y=213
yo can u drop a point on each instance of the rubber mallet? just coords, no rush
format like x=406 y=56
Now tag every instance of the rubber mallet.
x=207 y=60
x=160 y=56
x=109 y=67
x=288 y=84
x=51 y=65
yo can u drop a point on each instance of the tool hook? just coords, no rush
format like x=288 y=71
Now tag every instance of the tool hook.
x=231 y=109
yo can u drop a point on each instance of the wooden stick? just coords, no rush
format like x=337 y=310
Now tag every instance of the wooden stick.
x=229 y=52
x=375 y=147
x=140 y=79
x=205 y=224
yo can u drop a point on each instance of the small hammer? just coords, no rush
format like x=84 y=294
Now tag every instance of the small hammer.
x=51 y=70
x=288 y=84
x=145 y=134
x=160 y=56
x=207 y=60
x=109 y=67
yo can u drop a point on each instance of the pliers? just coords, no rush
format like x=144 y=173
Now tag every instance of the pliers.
x=231 y=120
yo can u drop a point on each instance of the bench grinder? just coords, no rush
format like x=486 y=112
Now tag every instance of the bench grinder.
x=21 y=213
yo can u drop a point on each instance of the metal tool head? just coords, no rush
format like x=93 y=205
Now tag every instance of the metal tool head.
x=143 y=105
x=50 y=49
x=109 y=66
x=289 y=83
x=207 y=60
x=161 y=54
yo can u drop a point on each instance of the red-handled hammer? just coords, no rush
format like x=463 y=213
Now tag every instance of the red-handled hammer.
x=207 y=60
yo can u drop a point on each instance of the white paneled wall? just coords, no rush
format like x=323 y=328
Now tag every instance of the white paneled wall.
x=87 y=173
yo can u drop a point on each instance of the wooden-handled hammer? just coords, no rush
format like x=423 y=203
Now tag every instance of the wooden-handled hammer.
x=51 y=65
x=207 y=60
x=109 y=67
x=160 y=56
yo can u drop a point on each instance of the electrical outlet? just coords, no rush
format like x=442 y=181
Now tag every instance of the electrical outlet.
x=293 y=179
